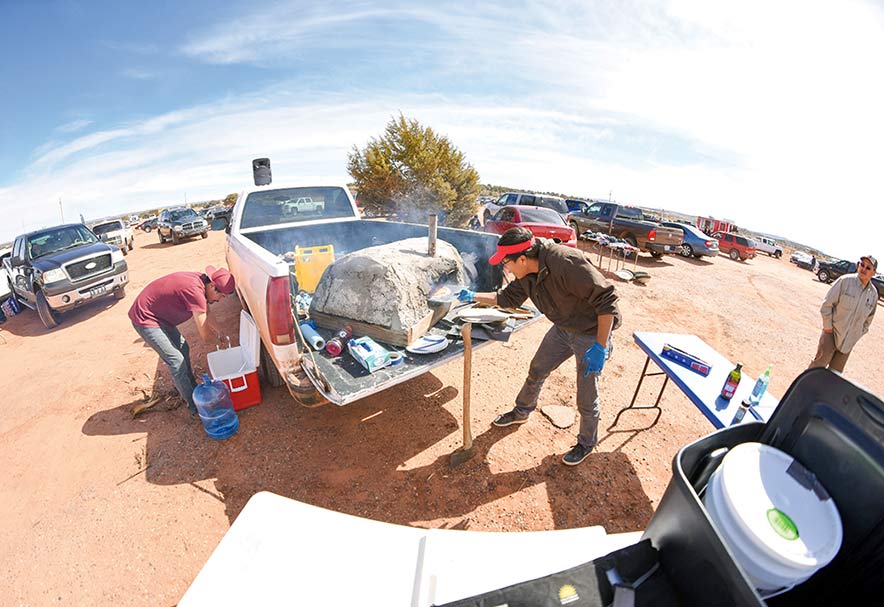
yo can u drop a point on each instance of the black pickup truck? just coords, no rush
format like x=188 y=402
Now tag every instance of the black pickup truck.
x=629 y=224
x=830 y=270
x=56 y=269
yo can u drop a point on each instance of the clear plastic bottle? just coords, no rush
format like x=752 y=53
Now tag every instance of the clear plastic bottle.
x=760 y=386
x=212 y=400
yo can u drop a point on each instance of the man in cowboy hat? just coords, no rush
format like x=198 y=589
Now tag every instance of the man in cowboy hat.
x=582 y=306
x=168 y=302
x=847 y=312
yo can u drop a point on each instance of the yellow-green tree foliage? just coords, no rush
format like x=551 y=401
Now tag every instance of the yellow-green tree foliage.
x=230 y=199
x=412 y=172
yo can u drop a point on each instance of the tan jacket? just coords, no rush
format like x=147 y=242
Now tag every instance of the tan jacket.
x=848 y=309
x=567 y=288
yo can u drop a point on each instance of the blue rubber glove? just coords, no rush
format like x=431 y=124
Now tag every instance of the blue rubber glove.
x=594 y=359
x=466 y=296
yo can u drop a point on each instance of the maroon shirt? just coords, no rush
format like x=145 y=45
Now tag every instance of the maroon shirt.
x=169 y=300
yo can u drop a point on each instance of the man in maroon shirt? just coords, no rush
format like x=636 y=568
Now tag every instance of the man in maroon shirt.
x=168 y=302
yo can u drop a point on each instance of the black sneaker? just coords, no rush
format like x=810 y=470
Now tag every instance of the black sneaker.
x=577 y=454
x=509 y=418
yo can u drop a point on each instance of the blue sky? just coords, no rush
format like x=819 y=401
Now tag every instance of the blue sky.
x=769 y=114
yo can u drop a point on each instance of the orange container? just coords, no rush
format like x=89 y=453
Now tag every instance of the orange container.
x=310 y=263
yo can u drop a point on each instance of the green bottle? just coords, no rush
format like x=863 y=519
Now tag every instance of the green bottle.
x=733 y=380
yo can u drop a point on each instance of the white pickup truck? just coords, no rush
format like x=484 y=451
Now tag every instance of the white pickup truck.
x=117 y=233
x=767 y=245
x=260 y=235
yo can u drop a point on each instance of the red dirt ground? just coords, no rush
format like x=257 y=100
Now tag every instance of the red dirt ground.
x=99 y=508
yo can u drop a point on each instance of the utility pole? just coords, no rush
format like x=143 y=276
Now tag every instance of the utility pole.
x=61 y=208
x=185 y=198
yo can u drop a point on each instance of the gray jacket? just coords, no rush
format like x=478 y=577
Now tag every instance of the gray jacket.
x=848 y=309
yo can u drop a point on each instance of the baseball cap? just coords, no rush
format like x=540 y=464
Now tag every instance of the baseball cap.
x=871 y=260
x=222 y=279
x=509 y=249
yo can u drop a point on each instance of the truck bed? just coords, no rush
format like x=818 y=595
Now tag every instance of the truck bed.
x=350 y=381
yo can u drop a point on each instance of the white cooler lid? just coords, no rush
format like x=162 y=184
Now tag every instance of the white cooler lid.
x=249 y=339
x=787 y=520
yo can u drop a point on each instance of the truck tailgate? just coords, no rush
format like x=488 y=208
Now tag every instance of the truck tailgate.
x=670 y=236
x=349 y=381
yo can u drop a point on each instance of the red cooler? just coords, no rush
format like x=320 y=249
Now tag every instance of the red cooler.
x=237 y=367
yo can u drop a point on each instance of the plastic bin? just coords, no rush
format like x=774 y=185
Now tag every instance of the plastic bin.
x=238 y=366
x=833 y=428
x=310 y=263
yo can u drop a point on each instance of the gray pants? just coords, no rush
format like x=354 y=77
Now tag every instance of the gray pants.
x=828 y=356
x=173 y=349
x=556 y=347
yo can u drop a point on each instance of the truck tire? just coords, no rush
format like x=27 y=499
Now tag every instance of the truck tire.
x=48 y=316
x=631 y=240
x=576 y=229
x=160 y=234
x=120 y=292
x=146 y=229
x=734 y=254
x=268 y=369
x=205 y=234
x=778 y=254
x=823 y=275
x=175 y=238
x=124 y=249
x=656 y=254
x=131 y=244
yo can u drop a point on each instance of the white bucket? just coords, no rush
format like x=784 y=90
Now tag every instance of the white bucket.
x=781 y=531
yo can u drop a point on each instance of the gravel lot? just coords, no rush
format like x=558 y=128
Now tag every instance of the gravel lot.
x=99 y=508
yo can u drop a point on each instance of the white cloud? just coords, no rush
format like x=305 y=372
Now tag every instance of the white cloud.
x=73 y=126
x=134 y=73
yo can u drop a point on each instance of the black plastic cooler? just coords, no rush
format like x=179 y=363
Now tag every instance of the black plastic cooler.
x=835 y=429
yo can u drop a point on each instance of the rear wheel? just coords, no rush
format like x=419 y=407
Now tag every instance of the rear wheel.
x=576 y=228
x=131 y=244
x=268 y=369
x=778 y=254
x=734 y=254
x=48 y=316
x=656 y=255
x=686 y=250
x=823 y=276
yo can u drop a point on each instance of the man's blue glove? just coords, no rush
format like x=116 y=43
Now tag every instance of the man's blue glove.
x=466 y=296
x=594 y=359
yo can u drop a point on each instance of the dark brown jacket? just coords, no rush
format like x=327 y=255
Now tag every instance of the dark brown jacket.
x=567 y=288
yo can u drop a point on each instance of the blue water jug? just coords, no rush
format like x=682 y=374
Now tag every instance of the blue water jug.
x=212 y=400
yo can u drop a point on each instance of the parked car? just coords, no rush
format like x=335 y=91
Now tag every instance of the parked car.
x=5 y=289
x=57 y=269
x=694 y=243
x=176 y=224
x=576 y=206
x=735 y=245
x=116 y=233
x=803 y=260
x=768 y=245
x=303 y=205
x=525 y=199
x=629 y=224
x=544 y=223
x=147 y=225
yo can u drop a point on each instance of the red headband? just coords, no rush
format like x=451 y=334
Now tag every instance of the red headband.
x=509 y=249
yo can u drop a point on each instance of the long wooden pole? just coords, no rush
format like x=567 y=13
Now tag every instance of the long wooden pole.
x=467 y=334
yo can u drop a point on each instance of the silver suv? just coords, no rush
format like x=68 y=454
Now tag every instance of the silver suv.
x=526 y=198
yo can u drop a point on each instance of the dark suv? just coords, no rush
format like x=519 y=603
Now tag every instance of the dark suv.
x=736 y=246
x=176 y=224
x=56 y=269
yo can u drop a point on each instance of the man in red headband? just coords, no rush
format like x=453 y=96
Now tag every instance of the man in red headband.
x=582 y=306
x=168 y=302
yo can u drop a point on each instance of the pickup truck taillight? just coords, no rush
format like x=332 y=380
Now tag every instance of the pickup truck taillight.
x=652 y=235
x=279 y=312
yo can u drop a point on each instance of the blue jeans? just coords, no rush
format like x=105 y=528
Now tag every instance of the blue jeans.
x=556 y=347
x=173 y=349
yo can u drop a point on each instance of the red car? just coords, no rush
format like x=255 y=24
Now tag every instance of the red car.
x=542 y=222
x=735 y=245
